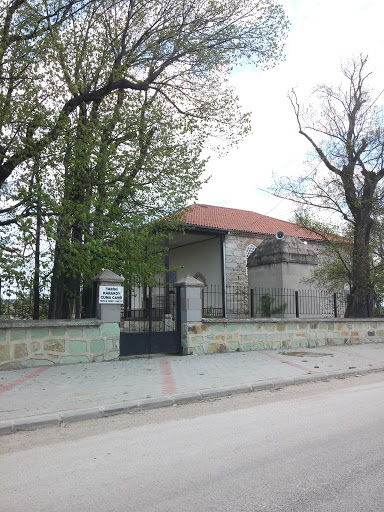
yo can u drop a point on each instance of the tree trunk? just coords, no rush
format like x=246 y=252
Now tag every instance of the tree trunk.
x=36 y=273
x=361 y=299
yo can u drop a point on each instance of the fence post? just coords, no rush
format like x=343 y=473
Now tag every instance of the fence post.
x=335 y=304
x=190 y=299
x=297 y=304
x=369 y=312
x=108 y=306
x=252 y=302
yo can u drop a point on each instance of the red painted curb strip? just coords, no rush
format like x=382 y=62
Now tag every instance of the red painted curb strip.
x=288 y=362
x=169 y=385
x=15 y=383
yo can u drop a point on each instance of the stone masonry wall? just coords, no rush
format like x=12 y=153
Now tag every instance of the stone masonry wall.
x=235 y=258
x=25 y=344
x=215 y=336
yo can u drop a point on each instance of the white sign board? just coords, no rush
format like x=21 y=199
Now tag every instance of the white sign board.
x=111 y=295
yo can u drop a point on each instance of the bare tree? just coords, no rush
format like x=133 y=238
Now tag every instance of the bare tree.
x=347 y=139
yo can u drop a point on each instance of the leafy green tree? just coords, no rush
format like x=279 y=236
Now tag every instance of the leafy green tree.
x=347 y=138
x=115 y=101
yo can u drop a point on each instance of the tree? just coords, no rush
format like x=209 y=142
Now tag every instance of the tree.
x=116 y=100
x=175 y=48
x=347 y=138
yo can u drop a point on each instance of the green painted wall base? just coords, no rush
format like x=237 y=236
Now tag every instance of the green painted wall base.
x=237 y=335
x=26 y=344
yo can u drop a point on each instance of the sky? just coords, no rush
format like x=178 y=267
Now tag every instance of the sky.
x=324 y=34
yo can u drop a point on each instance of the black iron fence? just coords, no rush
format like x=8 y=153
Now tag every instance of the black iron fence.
x=234 y=301
x=150 y=308
x=238 y=301
x=17 y=302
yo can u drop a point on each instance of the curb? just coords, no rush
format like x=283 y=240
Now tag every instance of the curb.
x=61 y=418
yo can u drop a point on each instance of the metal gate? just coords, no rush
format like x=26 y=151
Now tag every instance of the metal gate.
x=151 y=321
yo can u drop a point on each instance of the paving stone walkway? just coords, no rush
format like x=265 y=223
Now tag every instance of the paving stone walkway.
x=64 y=390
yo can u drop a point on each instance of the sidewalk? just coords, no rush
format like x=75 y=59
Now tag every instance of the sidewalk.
x=32 y=398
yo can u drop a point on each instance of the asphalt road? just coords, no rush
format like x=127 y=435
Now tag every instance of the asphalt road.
x=316 y=447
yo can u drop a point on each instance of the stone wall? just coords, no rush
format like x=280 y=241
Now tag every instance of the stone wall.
x=25 y=344
x=235 y=258
x=213 y=336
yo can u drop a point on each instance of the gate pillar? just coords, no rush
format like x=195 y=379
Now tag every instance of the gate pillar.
x=109 y=296
x=191 y=300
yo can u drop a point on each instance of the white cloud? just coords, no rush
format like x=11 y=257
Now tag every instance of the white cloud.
x=324 y=34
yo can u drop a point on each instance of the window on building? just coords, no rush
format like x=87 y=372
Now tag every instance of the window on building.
x=201 y=278
x=248 y=251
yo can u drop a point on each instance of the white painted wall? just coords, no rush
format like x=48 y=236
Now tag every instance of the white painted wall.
x=203 y=257
x=281 y=275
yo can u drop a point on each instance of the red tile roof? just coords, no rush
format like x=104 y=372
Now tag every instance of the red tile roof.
x=230 y=219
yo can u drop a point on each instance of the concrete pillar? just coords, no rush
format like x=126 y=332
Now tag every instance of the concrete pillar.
x=191 y=300
x=109 y=296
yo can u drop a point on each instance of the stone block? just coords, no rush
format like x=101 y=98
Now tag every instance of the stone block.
x=4 y=353
x=247 y=338
x=54 y=345
x=280 y=327
x=194 y=341
x=58 y=332
x=259 y=345
x=18 y=334
x=98 y=359
x=3 y=334
x=233 y=346
x=20 y=350
x=233 y=328
x=198 y=329
x=77 y=346
x=247 y=327
x=111 y=330
x=109 y=345
x=35 y=346
x=97 y=346
x=92 y=332
x=39 y=334
x=73 y=359
x=115 y=354
x=11 y=365
x=219 y=328
x=245 y=347
x=75 y=333
x=198 y=351
x=216 y=348
x=31 y=363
